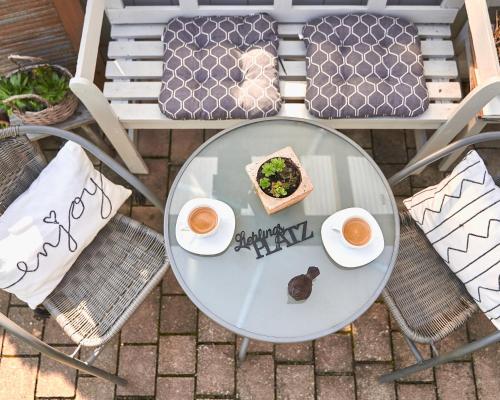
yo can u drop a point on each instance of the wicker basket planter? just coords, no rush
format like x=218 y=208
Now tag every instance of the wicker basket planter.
x=272 y=204
x=51 y=115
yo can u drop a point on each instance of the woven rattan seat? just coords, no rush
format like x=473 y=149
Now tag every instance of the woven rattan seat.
x=108 y=281
x=112 y=275
x=427 y=300
x=20 y=164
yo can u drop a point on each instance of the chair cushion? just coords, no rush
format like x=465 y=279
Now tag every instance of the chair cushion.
x=220 y=68
x=47 y=227
x=460 y=217
x=363 y=65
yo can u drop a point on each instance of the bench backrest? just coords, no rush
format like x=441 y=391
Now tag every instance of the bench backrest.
x=427 y=11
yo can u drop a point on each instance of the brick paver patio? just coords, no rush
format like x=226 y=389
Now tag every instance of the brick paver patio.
x=171 y=351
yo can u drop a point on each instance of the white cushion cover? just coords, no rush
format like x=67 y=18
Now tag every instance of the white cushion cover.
x=461 y=218
x=45 y=229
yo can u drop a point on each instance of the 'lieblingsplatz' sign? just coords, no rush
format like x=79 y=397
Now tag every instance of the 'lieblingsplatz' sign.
x=271 y=240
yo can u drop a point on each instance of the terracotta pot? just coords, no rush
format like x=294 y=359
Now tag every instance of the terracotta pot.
x=272 y=204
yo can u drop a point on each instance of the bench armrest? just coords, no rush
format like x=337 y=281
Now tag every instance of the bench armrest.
x=485 y=53
x=91 y=35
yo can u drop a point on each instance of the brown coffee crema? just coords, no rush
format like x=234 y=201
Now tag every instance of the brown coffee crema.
x=357 y=231
x=202 y=220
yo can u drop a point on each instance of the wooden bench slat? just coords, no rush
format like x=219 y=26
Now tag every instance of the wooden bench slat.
x=288 y=49
x=135 y=49
x=139 y=31
x=437 y=48
x=162 y=14
x=293 y=69
x=434 y=30
x=131 y=90
x=447 y=91
x=290 y=90
x=292 y=48
x=154 y=31
x=125 y=69
x=148 y=116
x=440 y=69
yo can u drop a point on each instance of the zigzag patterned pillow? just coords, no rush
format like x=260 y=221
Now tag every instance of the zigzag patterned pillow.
x=364 y=65
x=461 y=218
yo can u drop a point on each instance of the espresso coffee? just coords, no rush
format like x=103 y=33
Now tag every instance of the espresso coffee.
x=357 y=231
x=203 y=220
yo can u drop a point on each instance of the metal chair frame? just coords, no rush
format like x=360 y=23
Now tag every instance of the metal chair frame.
x=86 y=366
x=19 y=332
x=408 y=334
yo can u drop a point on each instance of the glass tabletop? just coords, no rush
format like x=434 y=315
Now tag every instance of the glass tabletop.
x=246 y=290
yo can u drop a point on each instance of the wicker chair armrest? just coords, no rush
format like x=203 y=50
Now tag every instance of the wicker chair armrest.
x=480 y=138
x=91 y=148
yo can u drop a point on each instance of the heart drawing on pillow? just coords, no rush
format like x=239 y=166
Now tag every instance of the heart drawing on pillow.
x=51 y=219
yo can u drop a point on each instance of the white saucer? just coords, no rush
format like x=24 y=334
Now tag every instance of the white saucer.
x=208 y=245
x=343 y=254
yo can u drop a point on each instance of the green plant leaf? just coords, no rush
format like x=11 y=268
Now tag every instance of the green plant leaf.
x=278 y=190
x=50 y=85
x=268 y=170
x=44 y=81
x=264 y=183
x=278 y=164
x=18 y=83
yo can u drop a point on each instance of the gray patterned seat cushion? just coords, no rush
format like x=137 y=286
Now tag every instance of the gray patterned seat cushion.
x=220 y=68
x=364 y=65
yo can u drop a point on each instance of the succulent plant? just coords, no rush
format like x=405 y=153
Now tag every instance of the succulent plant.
x=278 y=190
x=278 y=177
x=273 y=166
x=264 y=183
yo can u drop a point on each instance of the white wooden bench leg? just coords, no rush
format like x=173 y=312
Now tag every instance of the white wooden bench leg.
x=97 y=139
x=466 y=111
x=420 y=138
x=475 y=126
x=98 y=106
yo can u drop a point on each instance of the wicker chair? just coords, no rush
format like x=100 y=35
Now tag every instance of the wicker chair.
x=425 y=298
x=113 y=274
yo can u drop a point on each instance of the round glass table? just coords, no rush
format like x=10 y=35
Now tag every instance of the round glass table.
x=246 y=290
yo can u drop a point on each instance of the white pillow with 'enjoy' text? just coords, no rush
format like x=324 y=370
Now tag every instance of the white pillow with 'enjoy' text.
x=44 y=230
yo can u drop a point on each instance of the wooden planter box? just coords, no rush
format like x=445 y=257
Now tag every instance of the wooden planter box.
x=271 y=204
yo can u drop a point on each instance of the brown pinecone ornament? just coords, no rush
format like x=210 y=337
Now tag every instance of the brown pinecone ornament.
x=300 y=286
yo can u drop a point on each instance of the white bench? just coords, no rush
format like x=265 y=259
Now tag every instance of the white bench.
x=134 y=69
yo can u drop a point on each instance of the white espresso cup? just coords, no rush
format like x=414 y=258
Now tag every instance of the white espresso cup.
x=202 y=220
x=355 y=231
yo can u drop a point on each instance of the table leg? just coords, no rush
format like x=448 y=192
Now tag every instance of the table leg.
x=243 y=349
